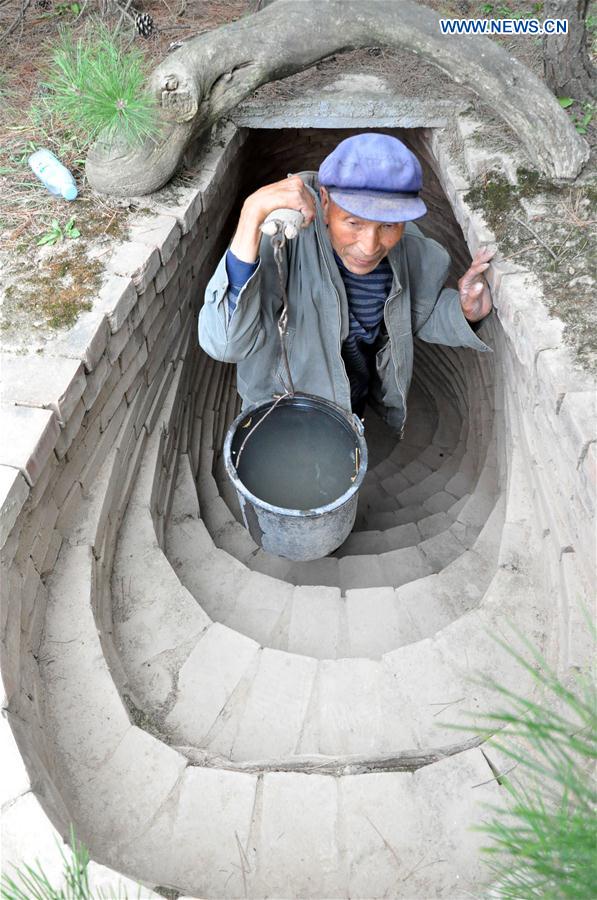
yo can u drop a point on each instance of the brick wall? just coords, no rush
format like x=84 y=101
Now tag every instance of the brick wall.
x=77 y=416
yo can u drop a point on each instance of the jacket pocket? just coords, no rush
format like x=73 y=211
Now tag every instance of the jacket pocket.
x=382 y=356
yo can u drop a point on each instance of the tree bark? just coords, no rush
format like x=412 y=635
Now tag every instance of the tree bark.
x=212 y=73
x=566 y=63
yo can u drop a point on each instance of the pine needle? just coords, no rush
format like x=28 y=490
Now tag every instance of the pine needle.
x=544 y=840
x=99 y=87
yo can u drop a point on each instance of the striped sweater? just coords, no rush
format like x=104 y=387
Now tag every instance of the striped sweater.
x=366 y=296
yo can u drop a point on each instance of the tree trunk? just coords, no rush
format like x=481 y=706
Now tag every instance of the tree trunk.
x=212 y=73
x=566 y=63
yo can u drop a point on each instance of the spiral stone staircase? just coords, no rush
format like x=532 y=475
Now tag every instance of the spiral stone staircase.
x=223 y=723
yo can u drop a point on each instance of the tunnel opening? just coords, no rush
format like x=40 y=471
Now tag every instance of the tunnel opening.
x=426 y=500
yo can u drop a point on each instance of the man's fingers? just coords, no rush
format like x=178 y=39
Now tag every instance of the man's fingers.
x=473 y=290
x=472 y=273
x=484 y=254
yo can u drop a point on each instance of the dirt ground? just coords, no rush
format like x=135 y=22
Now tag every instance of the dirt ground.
x=45 y=287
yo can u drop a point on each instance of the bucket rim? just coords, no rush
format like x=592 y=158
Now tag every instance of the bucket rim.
x=312 y=512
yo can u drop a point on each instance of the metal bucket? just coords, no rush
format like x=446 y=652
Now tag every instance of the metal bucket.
x=298 y=534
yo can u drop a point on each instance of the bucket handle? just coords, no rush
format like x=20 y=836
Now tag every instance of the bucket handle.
x=358 y=424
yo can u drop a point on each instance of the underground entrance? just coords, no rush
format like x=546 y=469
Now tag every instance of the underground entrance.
x=231 y=706
x=425 y=502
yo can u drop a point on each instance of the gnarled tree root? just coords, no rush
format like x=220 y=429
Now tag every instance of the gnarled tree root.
x=212 y=73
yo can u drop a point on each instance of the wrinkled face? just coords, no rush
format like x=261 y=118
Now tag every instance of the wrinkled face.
x=360 y=243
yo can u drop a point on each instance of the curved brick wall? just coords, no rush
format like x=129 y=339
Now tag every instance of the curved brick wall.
x=150 y=653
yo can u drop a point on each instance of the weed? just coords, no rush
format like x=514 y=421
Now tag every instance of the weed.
x=52 y=235
x=543 y=842
x=583 y=120
x=32 y=883
x=582 y=116
x=499 y=199
x=502 y=11
x=57 y=233
x=67 y=7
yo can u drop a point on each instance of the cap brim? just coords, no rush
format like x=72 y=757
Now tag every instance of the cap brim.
x=379 y=206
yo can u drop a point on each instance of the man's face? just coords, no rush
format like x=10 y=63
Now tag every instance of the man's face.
x=360 y=243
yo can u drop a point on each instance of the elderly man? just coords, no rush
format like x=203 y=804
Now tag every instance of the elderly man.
x=361 y=280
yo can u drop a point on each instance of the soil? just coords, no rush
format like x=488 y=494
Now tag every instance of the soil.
x=40 y=294
x=549 y=230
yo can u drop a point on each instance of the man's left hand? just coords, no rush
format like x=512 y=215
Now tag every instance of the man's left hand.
x=475 y=297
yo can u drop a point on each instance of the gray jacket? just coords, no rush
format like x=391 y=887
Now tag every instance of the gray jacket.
x=418 y=304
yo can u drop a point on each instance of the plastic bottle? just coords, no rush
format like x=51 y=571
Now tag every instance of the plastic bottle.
x=53 y=174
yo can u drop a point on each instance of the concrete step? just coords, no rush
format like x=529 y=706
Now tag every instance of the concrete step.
x=386 y=520
x=344 y=685
x=365 y=542
x=227 y=490
x=166 y=800
x=317 y=623
x=426 y=496
x=417 y=483
x=227 y=591
x=235 y=540
x=262 y=603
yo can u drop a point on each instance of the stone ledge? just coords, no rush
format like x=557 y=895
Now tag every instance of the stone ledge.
x=116 y=298
x=86 y=340
x=28 y=439
x=136 y=261
x=161 y=232
x=43 y=381
x=356 y=101
x=579 y=419
x=185 y=204
x=14 y=490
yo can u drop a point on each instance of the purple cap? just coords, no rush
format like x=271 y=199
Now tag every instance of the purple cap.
x=375 y=177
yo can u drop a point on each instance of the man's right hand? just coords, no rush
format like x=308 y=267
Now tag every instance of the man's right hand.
x=290 y=193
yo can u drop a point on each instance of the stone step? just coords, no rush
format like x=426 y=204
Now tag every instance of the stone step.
x=234 y=539
x=227 y=490
x=386 y=520
x=317 y=824
x=261 y=603
x=460 y=482
x=365 y=542
x=416 y=484
x=349 y=706
x=317 y=624
x=455 y=575
x=174 y=798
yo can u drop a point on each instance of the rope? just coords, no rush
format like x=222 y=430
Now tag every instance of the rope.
x=278 y=241
x=256 y=425
x=278 y=244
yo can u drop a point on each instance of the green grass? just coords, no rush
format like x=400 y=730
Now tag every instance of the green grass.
x=97 y=85
x=32 y=883
x=544 y=840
